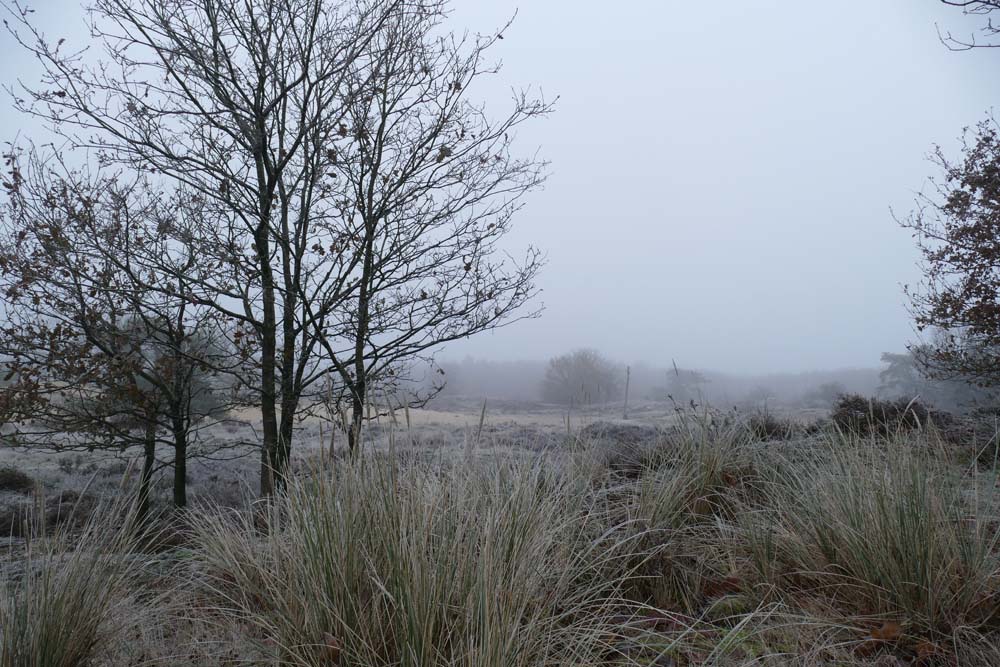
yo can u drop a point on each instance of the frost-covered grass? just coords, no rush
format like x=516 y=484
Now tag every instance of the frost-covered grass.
x=710 y=548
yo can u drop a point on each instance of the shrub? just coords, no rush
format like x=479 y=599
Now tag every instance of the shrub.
x=858 y=415
x=64 y=510
x=620 y=447
x=12 y=479
x=765 y=426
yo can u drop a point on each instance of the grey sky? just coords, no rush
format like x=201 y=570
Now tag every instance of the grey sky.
x=722 y=171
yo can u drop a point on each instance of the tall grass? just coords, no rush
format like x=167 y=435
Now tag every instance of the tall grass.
x=372 y=565
x=64 y=597
x=696 y=478
x=884 y=527
x=693 y=475
x=717 y=549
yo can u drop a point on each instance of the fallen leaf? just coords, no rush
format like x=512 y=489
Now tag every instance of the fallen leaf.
x=927 y=649
x=889 y=632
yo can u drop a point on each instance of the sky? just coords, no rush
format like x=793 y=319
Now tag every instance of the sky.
x=722 y=173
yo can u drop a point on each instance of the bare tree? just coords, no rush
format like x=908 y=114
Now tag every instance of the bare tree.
x=429 y=188
x=241 y=103
x=582 y=377
x=98 y=358
x=990 y=31
x=345 y=199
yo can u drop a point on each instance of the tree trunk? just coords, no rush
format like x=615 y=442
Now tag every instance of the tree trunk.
x=180 y=463
x=146 y=477
x=283 y=449
x=289 y=399
x=357 y=418
x=360 y=387
x=268 y=349
x=628 y=378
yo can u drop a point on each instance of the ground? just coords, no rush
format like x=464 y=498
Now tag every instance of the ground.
x=450 y=424
x=671 y=538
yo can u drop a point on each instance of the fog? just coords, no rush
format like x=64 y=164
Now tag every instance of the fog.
x=522 y=381
x=722 y=173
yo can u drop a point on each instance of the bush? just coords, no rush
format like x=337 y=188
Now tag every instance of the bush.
x=622 y=448
x=765 y=426
x=858 y=415
x=12 y=479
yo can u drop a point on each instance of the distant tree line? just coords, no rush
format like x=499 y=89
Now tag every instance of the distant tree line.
x=550 y=381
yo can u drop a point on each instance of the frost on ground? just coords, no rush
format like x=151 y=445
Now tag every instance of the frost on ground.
x=520 y=538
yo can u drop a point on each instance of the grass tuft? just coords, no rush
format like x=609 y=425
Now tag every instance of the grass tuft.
x=64 y=599
x=383 y=566
x=887 y=530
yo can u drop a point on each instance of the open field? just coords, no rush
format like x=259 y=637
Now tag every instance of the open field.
x=669 y=539
x=262 y=260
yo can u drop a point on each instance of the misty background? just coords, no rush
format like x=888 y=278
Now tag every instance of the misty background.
x=722 y=178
